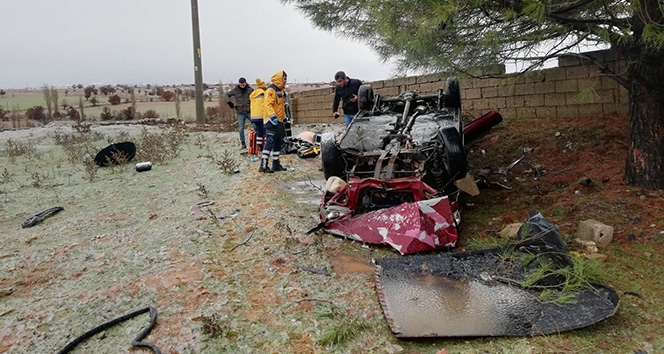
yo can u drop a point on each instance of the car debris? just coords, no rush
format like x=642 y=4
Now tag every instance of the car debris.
x=136 y=342
x=402 y=213
x=490 y=291
x=41 y=216
x=401 y=157
x=322 y=271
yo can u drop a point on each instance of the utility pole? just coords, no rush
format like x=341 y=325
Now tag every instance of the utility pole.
x=198 y=68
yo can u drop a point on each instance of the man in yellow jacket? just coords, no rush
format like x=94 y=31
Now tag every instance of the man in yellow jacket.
x=273 y=122
x=257 y=99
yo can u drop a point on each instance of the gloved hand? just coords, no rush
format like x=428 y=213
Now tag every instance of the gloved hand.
x=336 y=115
x=230 y=104
x=273 y=119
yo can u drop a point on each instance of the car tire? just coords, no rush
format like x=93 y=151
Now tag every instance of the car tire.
x=331 y=157
x=453 y=93
x=455 y=157
x=365 y=97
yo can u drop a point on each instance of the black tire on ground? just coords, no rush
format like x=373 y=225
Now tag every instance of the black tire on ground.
x=455 y=157
x=365 y=97
x=453 y=93
x=332 y=160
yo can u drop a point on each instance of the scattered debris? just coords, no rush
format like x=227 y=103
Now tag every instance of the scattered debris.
x=137 y=342
x=322 y=271
x=394 y=212
x=231 y=215
x=586 y=182
x=143 y=166
x=631 y=293
x=561 y=171
x=6 y=312
x=40 y=216
x=464 y=294
x=196 y=208
x=6 y=291
x=593 y=230
x=510 y=231
x=524 y=153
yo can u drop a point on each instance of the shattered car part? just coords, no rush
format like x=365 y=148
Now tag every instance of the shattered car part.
x=41 y=216
x=400 y=213
x=403 y=136
x=481 y=292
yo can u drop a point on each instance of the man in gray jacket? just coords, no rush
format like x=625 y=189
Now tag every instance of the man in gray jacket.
x=242 y=106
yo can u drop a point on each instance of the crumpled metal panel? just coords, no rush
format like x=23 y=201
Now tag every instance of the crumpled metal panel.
x=409 y=227
x=454 y=295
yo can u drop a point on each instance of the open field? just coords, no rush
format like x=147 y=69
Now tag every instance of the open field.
x=126 y=240
x=25 y=99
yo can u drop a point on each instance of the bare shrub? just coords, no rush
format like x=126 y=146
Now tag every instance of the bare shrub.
x=14 y=149
x=167 y=95
x=94 y=101
x=159 y=147
x=211 y=114
x=37 y=113
x=226 y=162
x=106 y=114
x=37 y=180
x=117 y=159
x=4 y=115
x=73 y=114
x=128 y=113
x=90 y=167
x=76 y=147
x=150 y=113
x=114 y=100
x=6 y=176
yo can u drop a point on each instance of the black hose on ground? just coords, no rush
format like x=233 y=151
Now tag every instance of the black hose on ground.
x=136 y=342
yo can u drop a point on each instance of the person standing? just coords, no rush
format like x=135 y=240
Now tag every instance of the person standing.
x=346 y=91
x=242 y=106
x=273 y=122
x=257 y=111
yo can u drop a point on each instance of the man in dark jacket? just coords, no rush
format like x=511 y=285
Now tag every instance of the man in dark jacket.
x=242 y=106
x=346 y=91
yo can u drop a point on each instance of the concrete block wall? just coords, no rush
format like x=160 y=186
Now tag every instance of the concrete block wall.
x=573 y=89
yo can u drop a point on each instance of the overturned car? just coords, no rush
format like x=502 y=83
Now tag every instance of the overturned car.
x=403 y=149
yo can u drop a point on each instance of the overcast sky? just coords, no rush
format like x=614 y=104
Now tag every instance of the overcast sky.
x=150 y=41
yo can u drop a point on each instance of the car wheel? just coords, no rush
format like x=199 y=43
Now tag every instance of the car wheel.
x=453 y=93
x=365 y=97
x=331 y=157
x=455 y=156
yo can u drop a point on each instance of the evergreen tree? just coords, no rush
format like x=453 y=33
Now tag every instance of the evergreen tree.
x=451 y=35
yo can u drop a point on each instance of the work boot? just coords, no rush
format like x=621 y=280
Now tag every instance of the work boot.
x=276 y=166
x=243 y=148
x=263 y=168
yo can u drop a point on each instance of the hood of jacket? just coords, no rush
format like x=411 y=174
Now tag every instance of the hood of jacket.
x=277 y=79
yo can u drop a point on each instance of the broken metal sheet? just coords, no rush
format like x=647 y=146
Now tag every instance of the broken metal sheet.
x=409 y=227
x=477 y=293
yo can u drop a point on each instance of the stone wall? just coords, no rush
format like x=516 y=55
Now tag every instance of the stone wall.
x=573 y=89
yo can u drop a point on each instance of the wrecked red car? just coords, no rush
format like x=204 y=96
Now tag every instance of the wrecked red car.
x=400 y=157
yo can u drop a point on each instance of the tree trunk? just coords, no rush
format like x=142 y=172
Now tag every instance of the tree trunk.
x=645 y=161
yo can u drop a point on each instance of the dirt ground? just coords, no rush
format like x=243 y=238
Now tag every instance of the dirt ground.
x=126 y=240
